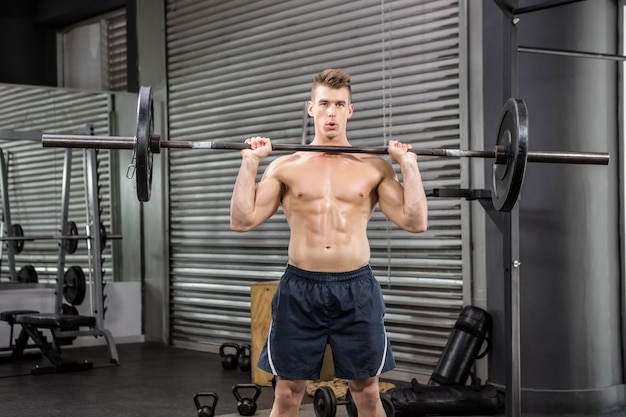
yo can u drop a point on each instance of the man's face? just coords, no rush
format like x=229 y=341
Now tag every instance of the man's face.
x=331 y=108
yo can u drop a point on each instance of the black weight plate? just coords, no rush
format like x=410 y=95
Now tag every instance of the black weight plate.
x=324 y=402
x=27 y=275
x=72 y=244
x=508 y=177
x=145 y=124
x=67 y=310
x=74 y=286
x=351 y=406
x=17 y=231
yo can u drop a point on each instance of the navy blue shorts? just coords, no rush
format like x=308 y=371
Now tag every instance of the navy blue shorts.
x=313 y=309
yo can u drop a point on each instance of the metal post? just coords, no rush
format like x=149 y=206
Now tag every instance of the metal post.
x=91 y=171
x=511 y=254
x=65 y=205
x=93 y=197
x=6 y=208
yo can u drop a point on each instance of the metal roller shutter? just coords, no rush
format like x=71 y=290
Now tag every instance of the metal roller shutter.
x=35 y=176
x=116 y=52
x=243 y=68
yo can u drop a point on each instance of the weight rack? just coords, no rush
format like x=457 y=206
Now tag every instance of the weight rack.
x=66 y=327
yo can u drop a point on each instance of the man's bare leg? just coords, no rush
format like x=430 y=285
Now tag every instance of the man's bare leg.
x=288 y=395
x=366 y=396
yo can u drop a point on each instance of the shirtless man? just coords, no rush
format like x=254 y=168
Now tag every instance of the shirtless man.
x=328 y=293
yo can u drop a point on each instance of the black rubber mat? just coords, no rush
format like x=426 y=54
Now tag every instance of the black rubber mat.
x=151 y=380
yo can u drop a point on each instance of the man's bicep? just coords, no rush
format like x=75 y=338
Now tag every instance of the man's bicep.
x=268 y=196
x=391 y=198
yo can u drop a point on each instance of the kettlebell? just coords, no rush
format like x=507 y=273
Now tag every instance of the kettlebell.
x=205 y=410
x=246 y=406
x=229 y=360
x=244 y=358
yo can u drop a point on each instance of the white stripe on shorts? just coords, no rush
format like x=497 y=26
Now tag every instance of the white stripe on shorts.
x=269 y=350
x=382 y=363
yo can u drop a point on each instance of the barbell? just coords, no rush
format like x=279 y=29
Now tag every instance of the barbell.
x=510 y=154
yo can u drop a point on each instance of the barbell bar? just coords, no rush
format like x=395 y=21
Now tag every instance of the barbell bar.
x=17 y=238
x=509 y=155
x=129 y=143
x=54 y=237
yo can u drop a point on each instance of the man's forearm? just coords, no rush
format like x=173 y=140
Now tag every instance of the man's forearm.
x=244 y=194
x=415 y=202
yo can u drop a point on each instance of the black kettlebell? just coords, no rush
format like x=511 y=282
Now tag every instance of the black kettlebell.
x=246 y=406
x=205 y=410
x=243 y=359
x=229 y=360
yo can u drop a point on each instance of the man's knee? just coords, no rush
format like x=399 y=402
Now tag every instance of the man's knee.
x=363 y=385
x=367 y=389
x=289 y=392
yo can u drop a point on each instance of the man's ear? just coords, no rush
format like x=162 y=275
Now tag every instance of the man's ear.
x=309 y=108
x=351 y=108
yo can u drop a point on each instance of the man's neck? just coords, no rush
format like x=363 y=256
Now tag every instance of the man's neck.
x=319 y=140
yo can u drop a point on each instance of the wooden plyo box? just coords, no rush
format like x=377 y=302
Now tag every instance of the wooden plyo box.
x=261 y=294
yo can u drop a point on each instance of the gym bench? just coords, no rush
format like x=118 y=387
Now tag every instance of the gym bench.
x=64 y=329
x=17 y=346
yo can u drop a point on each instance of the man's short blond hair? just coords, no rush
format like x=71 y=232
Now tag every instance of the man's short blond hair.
x=333 y=78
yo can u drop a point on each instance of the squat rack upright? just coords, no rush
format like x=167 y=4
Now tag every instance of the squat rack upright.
x=510 y=220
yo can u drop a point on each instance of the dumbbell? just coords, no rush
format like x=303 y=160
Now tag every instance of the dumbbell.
x=205 y=410
x=246 y=406
x=325 y=403
x=229 y=360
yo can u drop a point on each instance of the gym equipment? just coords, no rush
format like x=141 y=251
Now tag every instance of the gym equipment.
x=74 y=285
x=27 y=275
x=510 y=153
x=243 y=359
x=17 y=239
x=205 y=410
x=18 y=245
x=246 y=406
x=18 y=346
x=65 y=323
x=229 y=360
x=68 y=310
x=72 y=244
x=462 y=349
x=446 y=400
x=325 y=403
x=63 y=328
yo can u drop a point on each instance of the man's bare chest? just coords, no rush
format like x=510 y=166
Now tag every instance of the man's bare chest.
x=340 y=179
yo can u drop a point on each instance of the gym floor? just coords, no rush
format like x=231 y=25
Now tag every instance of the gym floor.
x=152 y=380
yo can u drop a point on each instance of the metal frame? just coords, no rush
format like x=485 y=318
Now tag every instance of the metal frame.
x=94 y=241
x=95 y=249
x=6 y=210
x=510 y=223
